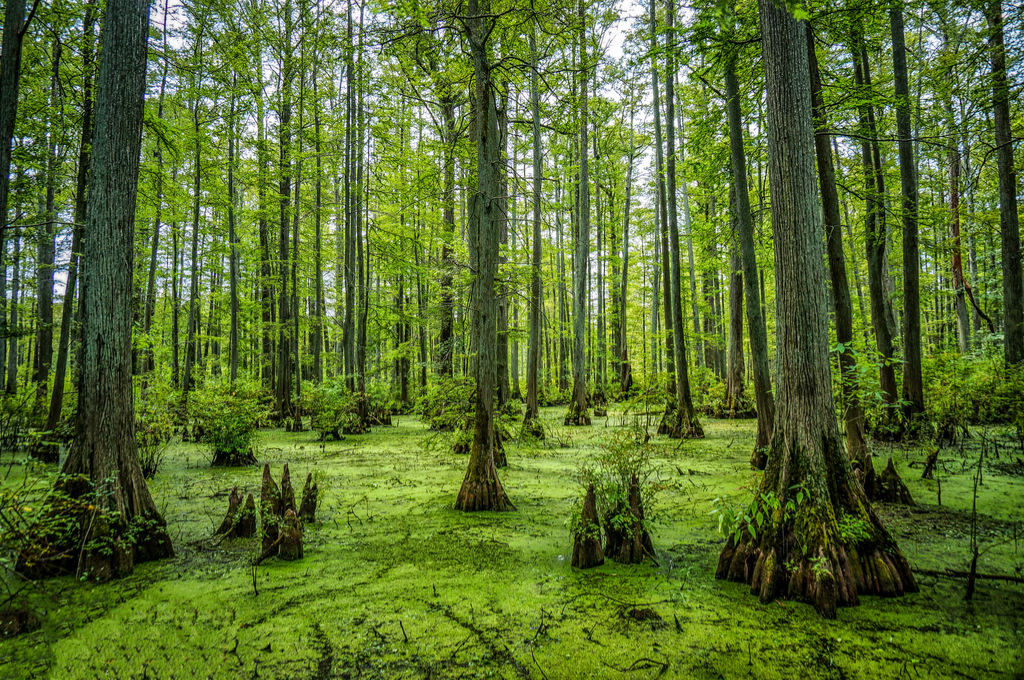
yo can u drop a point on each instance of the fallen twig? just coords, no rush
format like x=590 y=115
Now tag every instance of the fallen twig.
x=956 y=573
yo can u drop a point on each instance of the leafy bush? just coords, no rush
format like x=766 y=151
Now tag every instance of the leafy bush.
x=623 y=456
x=448 y=404
x=970 y=390
x=333 y=409
x=155 y=415
x=228 y=416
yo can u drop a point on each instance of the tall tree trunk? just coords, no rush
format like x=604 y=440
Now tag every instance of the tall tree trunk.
x=874 y=229
x=578 y=407
x=233 y=261
x=191 y=343
x=104 y=447
x=625 y=368
x=686 y=422
x=913 y=382
x=504 y=390
x=1013 y=284
x=530 y=420
x=81 y=186
x=283 y=393
x=842 y=306
x=45 y=244
x=764 y=400
x=481 y=489
x=668 y=417
x=15 y=27
x=734 y=372
x=803 y=555
x=11 y=387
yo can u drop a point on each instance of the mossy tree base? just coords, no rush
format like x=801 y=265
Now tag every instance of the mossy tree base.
x=533 y=428
x=586 y=546
x=668 y=417
x=576 y=416
x=890 y=487
x=481 y=489
x=686 y=425
x=234 y=458
x=818 y=540
x=627 y=540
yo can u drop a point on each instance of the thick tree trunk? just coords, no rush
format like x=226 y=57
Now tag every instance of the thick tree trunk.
x=798 y=551
x=233 y=264
x=10 y=81
x=1013 y=284
x=481 y=489
x=121 y=511
x=764 y=400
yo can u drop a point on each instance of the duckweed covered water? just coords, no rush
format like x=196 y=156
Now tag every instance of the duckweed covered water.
x=397 y=584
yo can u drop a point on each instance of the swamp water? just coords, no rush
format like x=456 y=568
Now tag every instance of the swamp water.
x=397 y=584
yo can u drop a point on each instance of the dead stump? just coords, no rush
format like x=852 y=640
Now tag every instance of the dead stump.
x=310 y=493
x=234 y=502
x=627 y=540
x=287 y=492
x=891 y=488
x=270 y=509
x=586 y=547
x=291 y=537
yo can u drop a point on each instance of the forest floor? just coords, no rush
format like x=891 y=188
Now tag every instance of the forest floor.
x=397 y=584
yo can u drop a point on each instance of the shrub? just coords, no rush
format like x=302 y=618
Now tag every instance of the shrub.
x=332 y=408
x=228 y=417
x=154 y=427
x=623 y=456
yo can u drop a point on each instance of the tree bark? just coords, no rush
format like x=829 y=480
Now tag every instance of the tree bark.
x=102 y=465
x=84 y=159
x=842 y=306
x=578 y=406
x=913 y=382
x=686 y=423
x=764 y=400
x=1013 y=284
x=797 y=551
x=531 y=422
x=874 y=230
x=481 y=489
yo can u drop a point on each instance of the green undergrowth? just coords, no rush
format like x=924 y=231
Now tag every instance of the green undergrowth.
x=397 y=584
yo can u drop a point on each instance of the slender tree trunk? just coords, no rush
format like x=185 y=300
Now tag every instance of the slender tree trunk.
x=233 y=263
x=191 y=344
x=84 y=161
x=686 y=422
x=530 y=423
x=284 y=354
x=11 y=387
x=842 y=306
x=578 y=407
x=1013 y=284
x=763 y=398
x=913 y=382
x=45 y=245
x=874 y=229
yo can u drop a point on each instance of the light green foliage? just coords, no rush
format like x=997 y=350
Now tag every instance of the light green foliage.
x=853 y=530
x=763 y=510
x=622 y=456
x=155 y=416
x=332 y=408
x=229 y=416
